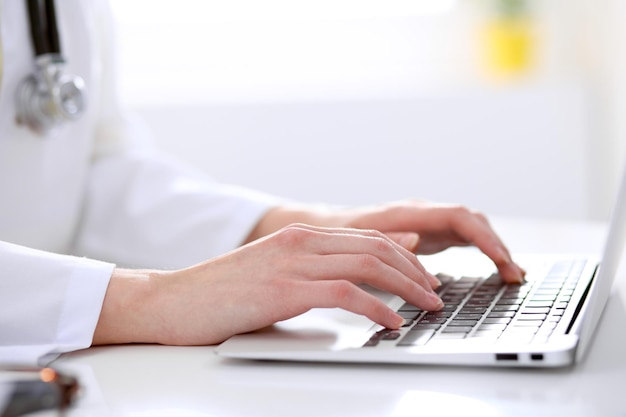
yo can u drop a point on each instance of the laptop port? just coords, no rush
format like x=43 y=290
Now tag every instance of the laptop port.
x=506 y=356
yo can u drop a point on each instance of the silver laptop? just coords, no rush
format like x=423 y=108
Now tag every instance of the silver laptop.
x=547 y=322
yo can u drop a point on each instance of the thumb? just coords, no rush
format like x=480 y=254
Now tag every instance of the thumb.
x=408 y=240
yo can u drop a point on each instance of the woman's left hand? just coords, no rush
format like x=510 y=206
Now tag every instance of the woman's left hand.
x=439 y=227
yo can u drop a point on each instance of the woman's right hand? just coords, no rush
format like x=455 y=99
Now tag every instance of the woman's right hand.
x=268 y=280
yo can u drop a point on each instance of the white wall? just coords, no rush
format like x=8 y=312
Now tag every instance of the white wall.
x=473 y=148
x=354 y=109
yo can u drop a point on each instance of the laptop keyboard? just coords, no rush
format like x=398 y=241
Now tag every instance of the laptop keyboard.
x=488 y=310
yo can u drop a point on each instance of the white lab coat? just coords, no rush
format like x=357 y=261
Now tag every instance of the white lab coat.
x=95 y=190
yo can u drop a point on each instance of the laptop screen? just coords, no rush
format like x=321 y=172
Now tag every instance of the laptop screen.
x=601 y=286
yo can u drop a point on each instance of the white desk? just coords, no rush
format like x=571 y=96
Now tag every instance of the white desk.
x=156 y=381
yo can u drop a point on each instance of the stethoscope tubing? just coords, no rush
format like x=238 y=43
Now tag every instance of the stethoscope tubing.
x=43 y=27
x=49 y=97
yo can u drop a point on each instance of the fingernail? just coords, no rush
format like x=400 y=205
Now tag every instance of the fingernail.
x=433 y=280
x=399 y=321
x=438 y=302
x=517 y=273
x=410 y=241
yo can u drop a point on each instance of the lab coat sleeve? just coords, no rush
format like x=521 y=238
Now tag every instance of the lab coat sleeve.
x=145 y=210
x=60 y=298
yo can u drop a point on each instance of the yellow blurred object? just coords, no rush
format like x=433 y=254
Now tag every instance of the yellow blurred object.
x=509 y=45
x=508 y=38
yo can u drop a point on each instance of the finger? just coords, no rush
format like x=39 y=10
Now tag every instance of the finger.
x=367 y=269
x=345 y=295
x=355 y=241
x=408 y=240
x=411 y=242
x=477 y=230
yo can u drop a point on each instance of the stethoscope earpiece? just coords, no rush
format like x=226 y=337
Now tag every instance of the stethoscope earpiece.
x=48 y=98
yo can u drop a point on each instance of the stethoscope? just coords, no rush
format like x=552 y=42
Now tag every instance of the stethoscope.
x=48 y=98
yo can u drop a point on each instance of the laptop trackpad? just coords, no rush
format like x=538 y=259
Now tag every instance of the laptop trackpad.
x=317 y=330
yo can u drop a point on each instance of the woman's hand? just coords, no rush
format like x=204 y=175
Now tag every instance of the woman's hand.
x=271 y=279
x=439 y=226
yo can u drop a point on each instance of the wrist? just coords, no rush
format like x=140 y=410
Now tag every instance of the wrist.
x=130 y=309
x=313 y=215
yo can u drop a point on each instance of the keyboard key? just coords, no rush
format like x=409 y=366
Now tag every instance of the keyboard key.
x=497 y=320
x=478 y=303
x=452 y=300
x=540 y=292
x=505 y=308
x=372 y=342
x=542 y=297
x=426 y=326
x=457 y=329
x=441 y=336
x=550 y=286
x=527 y=323
x=444 y=278
x=530 y=316
x=514 y=294
x=390 y=335
x=509 y=301
x=488 y=297
x=438 y=314
x=486 y=290
x=534 y=310
x=492 y=326
x=416 y=337
x=434 y=320
x=539 y=304
x=410 y=307
x=500 y=314
x=407 y=322
x=409 y=314
x=374 y=339
x=459 y=322
x=473 y=280
x=472 y=310
x=462 y=316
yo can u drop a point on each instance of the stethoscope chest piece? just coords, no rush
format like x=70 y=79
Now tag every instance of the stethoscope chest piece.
x=48 y=98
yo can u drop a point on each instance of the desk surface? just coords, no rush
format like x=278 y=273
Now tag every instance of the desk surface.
x=156 y=381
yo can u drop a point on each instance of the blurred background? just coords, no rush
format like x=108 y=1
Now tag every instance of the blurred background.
x=513 y=107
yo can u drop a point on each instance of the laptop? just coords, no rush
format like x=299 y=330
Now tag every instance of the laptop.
x=547 y=322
